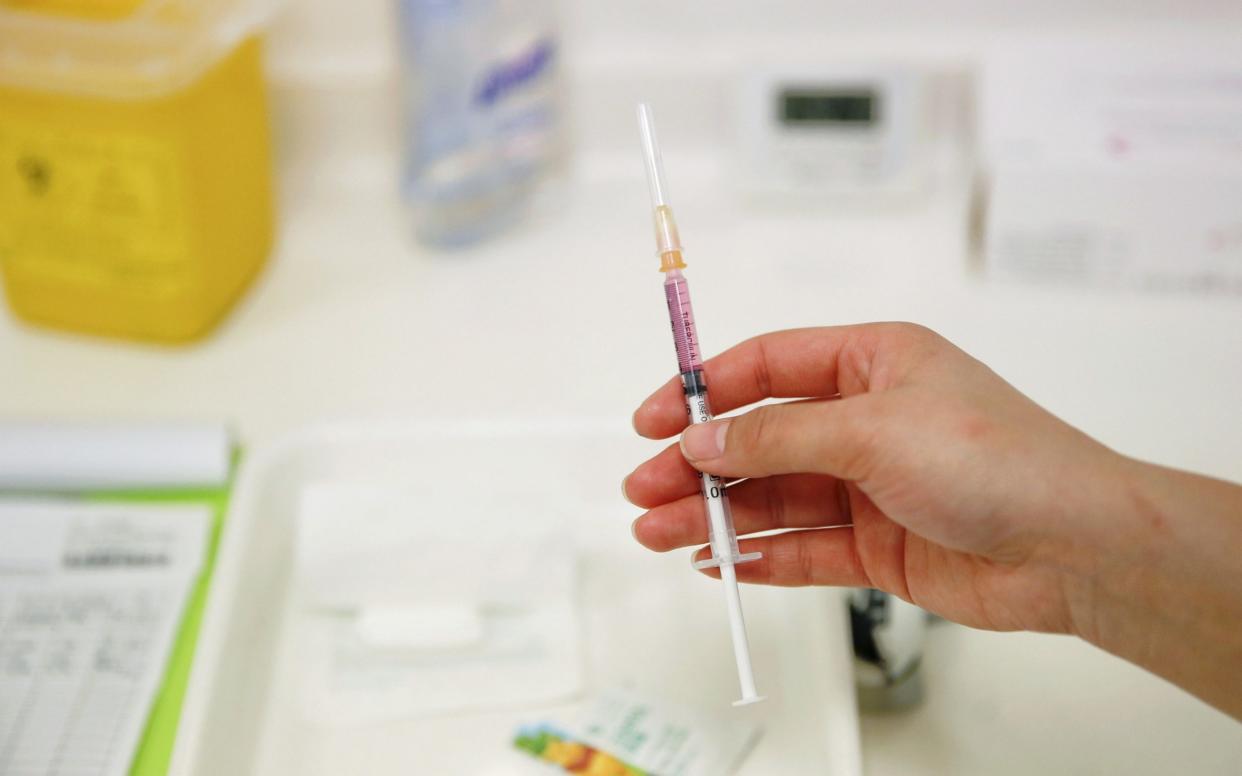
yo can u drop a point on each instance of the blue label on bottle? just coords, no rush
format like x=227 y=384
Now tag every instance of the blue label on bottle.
x=510 y=75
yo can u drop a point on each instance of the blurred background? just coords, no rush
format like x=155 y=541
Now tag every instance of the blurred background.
x=227 y=223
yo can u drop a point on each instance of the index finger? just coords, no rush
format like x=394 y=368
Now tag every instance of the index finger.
x=795 y=363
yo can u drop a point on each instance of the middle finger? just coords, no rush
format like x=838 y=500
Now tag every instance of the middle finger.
x=763 y=504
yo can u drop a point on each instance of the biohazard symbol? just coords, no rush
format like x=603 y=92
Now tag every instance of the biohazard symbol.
x=36 y=173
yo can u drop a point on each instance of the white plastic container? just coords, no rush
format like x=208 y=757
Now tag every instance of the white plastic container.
x=650 y=623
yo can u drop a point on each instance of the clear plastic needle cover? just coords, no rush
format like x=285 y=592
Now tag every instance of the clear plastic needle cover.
x=668 y=240
x=651 y=153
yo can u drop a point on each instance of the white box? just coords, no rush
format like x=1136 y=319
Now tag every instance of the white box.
x=1115 y=161
x=1135 y=227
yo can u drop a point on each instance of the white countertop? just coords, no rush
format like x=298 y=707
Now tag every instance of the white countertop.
x=565 y=318
x=1030 y=703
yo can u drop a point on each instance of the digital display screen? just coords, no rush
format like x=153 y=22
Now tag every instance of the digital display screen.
x=856 y=107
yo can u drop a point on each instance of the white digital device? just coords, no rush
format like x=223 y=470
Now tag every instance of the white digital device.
x=832 y=130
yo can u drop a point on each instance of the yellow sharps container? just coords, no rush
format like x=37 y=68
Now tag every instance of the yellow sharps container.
x=135 y=169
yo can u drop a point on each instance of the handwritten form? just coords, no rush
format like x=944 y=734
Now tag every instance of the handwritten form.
x=91 y=596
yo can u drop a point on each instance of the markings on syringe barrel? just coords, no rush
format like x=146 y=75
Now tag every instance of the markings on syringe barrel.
x=699 y=411
x=681 y=319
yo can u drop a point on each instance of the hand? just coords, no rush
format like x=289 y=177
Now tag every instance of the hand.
x=908 y=466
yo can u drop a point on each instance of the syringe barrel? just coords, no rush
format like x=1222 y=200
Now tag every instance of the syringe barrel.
x=720 y=532
x=681 y=316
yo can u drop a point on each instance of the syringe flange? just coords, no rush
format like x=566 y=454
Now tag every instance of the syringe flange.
x=733 y=560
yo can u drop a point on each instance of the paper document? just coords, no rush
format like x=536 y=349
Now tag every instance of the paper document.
x=91 y=596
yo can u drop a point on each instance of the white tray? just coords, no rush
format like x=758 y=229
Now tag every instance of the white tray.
x=649 y=621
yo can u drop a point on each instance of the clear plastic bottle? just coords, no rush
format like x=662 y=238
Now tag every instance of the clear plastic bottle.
x=483 y=115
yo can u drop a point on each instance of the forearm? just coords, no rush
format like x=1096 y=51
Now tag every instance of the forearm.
x=1170 y=596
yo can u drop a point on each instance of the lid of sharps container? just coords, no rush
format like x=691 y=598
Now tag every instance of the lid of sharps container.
x=120 y=49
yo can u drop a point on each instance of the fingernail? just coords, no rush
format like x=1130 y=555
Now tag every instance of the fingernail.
x=703 y=442
x=634 y=529
x=624 y=494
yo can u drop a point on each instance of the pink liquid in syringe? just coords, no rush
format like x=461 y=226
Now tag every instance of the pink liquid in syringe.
x=681 y=316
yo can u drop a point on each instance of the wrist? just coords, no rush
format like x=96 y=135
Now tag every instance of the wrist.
x=1109 y=545
x=1162 y=592
x=1109 y=577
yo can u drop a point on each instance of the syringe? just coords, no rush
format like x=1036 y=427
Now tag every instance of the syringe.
x=720 y=534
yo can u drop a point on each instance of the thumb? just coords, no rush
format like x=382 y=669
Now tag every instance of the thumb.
x=834 y=437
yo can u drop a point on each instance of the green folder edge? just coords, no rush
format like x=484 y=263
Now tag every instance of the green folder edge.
x=156 y=746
